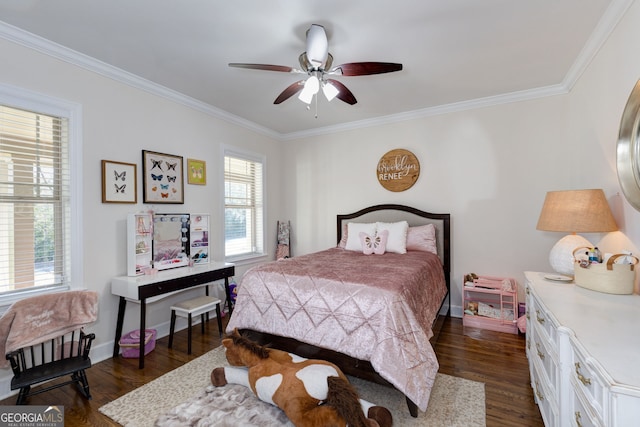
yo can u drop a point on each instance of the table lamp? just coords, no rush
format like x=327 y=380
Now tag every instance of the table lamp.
x=574 y=211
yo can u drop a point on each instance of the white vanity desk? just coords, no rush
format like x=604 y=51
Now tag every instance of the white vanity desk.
x=146 y=288
x=584 y=354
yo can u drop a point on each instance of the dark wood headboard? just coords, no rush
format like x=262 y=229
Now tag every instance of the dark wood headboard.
x=415 y=217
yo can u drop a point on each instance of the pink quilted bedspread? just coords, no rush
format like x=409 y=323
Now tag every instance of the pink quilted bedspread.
x=373 y=307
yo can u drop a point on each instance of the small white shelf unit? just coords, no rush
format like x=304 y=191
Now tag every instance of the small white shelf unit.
x=199 y=238
x=139 y=243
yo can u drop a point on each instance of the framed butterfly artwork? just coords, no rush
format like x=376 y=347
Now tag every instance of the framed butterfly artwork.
x=162 y=178
x=196 y=172
x=119 y=182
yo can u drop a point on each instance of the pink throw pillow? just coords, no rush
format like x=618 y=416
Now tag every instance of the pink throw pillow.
x=374 y=245
x=422 y=238
x=343 y=240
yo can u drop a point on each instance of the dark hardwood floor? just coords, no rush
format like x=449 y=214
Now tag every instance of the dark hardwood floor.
x=497 y=359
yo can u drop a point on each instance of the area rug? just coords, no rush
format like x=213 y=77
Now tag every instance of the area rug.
x=185 y=397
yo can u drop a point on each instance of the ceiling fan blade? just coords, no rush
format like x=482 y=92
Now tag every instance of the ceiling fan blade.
x=317 y=45
x=367 y=68
x=344 y=94
x=266 y=67
x=289 y=91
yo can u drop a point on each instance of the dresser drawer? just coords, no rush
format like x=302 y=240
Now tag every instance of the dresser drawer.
x=582 y=413
x=546 y=356
x=544 y=396
x=538 y=315
x=586 y=380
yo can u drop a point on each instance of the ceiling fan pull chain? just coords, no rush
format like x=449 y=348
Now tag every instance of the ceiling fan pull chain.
x=316 y=97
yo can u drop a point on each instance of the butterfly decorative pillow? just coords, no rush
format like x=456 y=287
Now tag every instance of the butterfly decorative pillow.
x=375 y=244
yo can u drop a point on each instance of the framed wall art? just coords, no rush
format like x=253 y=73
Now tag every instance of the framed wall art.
x=119 y=182
x=162 y=178
x=196 y=172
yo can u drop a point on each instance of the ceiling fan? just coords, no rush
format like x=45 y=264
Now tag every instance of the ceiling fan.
x=317 y=63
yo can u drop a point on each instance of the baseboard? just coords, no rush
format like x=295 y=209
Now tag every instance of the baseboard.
x=456 y=311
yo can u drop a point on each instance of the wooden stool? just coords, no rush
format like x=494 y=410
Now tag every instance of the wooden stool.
x=193 y=307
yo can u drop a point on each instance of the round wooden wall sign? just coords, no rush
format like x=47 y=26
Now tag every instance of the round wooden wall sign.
x=398 y=170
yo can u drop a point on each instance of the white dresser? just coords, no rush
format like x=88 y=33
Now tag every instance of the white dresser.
x=584 y=354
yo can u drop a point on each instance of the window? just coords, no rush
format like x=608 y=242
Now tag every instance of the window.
x=35 y=196
x=243 y=206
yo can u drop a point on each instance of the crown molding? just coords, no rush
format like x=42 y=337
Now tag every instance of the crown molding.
x=608 y=22
x=62 y=53
x=455 y=107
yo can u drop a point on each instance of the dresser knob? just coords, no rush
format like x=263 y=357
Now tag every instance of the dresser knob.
x=582 y=378
x=540 y=354
x=540 y=395
x=538 y=317
x=578 y=418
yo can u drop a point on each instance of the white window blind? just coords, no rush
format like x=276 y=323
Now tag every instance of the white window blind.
x=243 y=202
x=34 y=201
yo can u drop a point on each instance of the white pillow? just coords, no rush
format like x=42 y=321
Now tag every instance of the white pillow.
x=397 y=241
x=353 y=234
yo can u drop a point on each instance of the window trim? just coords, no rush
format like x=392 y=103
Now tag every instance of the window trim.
x=227 y=150
x=17 y=97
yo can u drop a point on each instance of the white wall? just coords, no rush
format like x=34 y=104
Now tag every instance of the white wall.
x=490 y=168
x=118 y=123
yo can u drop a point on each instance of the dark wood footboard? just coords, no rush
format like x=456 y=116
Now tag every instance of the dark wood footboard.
x=349 y=365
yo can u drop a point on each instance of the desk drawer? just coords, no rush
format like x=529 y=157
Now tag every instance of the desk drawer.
x=172 y=284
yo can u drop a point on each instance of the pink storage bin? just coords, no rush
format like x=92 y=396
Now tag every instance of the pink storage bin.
x=130 y=343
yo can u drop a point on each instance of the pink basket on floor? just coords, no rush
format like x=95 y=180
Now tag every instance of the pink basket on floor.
x=130 y=343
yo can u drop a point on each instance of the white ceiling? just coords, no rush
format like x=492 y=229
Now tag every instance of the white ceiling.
x=456 y=53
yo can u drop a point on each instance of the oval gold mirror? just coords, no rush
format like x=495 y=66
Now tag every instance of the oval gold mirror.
x=628 y=149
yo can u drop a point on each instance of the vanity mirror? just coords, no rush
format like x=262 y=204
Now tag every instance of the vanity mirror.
x=628 y=149
x=170 y=240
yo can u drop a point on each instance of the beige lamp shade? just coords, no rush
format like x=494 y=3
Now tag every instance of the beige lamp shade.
x=574 y=211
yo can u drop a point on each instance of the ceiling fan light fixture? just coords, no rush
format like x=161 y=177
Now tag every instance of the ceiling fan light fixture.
x=311 y=87
x=330 y=91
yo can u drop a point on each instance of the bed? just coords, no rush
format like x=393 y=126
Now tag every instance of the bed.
x=372 y=315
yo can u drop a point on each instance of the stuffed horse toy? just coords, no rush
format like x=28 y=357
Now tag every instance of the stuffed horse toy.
x=312 y=393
